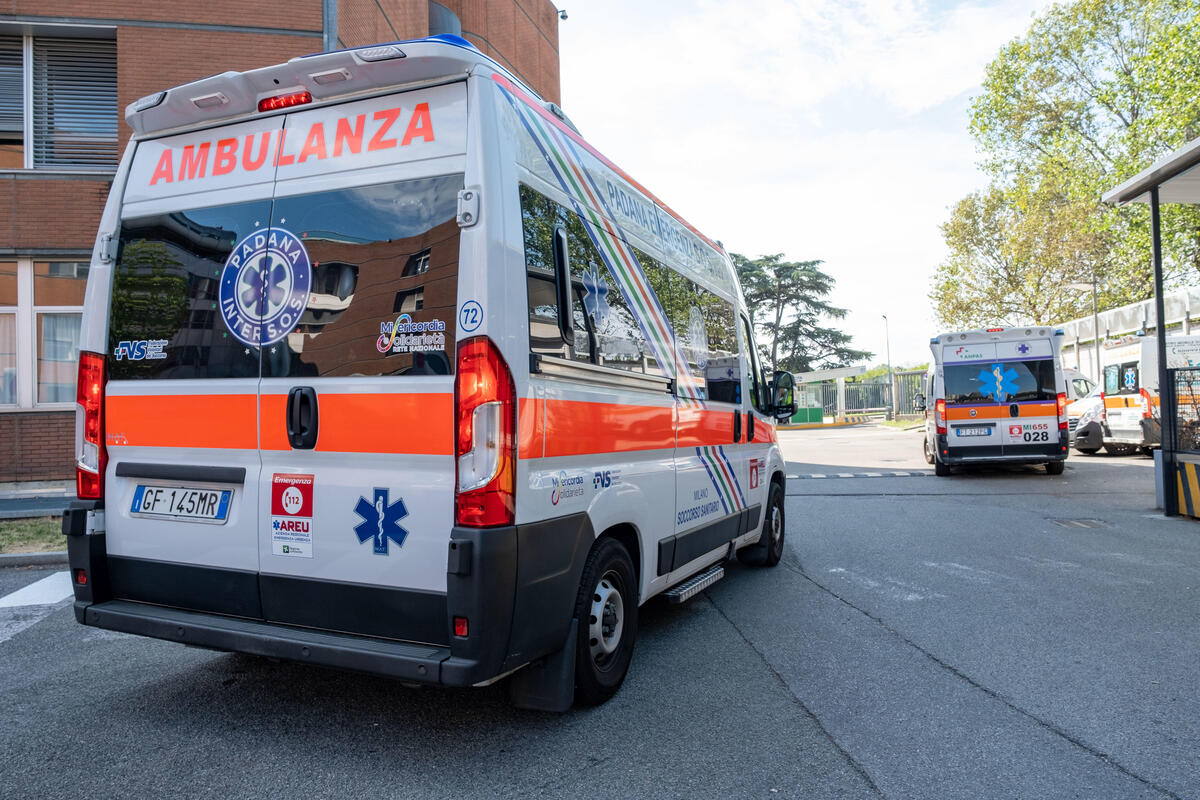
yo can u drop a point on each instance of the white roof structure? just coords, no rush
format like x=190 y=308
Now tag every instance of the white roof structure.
x=1176 y=175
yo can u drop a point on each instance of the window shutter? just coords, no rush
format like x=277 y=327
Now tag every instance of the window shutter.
x=74 y=102
x=12 y=91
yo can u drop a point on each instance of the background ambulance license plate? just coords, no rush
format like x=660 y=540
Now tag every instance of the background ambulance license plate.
x=210 y=505
x=976 y=431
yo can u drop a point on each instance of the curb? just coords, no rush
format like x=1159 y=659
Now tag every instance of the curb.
x=53 y=559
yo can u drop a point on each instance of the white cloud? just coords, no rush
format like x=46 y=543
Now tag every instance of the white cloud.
x=821 y=129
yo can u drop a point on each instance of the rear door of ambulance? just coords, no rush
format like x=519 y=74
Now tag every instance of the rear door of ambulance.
x=356 y=494
x=1030 y=386
x=974 y=416
x=182 y=486
x=293 y=345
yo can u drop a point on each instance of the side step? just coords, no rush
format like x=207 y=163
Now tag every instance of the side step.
x=694 y=585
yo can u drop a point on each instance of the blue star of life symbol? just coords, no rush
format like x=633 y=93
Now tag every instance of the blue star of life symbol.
x=595 y=302
x=1022 y=348
x=998 y=382
x=380 y=521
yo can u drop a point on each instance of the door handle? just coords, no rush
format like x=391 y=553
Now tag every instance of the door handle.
x=737 y=426
x=749 y=426
x=1014 y=410
x=302 y=418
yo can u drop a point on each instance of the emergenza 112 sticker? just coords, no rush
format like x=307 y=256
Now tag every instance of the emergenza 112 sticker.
x=292 y=515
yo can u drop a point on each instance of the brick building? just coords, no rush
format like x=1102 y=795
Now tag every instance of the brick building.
x=68 y=68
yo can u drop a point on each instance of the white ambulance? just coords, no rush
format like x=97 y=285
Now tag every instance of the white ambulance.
x=998 y=396
x=384 y=367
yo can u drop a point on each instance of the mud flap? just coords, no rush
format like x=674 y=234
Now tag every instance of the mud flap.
x=549 y=683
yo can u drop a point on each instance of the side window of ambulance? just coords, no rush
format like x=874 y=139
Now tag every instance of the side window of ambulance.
x=384 y=287
x=164 y=321
x=703 y=324
x=606 y=327
x=753 y=370
x=539 y=218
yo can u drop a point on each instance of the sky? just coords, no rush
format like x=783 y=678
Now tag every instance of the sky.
x=821 y=129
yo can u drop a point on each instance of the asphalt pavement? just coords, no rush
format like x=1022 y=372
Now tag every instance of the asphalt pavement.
x=1001 y=633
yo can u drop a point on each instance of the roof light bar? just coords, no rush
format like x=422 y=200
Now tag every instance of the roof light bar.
x=381 y=53
x=284 y=101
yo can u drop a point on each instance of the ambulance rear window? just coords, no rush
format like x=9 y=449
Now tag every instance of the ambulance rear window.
x=1001 y=381
x=360 y=281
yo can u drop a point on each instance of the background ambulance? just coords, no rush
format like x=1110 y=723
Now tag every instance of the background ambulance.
x=998 y=396
x=385 y=368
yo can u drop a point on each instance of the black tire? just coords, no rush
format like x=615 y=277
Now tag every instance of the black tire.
x=940 y=469
x=1055 y=467
x=605 y=642
x=1088 y=451
x=767 y=551
x=928 y=451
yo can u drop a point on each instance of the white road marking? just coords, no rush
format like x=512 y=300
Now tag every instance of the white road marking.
x=872 y=474
x=845 y=474
x=46 y=592
x=816 y=475
x=27 y=607
x=890 y=587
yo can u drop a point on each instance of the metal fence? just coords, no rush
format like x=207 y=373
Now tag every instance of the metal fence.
x=875 y=395
x=859 y=397
x=908 y=386
x=1187 y=411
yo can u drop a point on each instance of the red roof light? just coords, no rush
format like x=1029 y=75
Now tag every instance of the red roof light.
x=284 y=101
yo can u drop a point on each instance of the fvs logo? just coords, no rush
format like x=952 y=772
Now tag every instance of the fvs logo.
x=140 y=349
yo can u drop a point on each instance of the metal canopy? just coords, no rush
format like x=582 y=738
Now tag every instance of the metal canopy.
x=1176 y=175
x=1172 y=179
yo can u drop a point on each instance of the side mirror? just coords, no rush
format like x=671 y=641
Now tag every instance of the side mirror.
x=783 y=404
x=919 y=401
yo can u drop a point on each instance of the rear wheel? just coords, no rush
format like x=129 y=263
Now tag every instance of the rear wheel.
x=1055 y=467
x=1088 y=451
x=940 y=469
x=607 y=612
x=928 y=451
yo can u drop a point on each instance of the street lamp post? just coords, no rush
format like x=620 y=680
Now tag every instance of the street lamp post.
x=887 y=338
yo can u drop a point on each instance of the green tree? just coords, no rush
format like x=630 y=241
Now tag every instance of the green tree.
x=1092 y=94
x=787 y=305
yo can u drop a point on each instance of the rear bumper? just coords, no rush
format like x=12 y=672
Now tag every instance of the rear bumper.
x=516 y=586
x=1008 y=454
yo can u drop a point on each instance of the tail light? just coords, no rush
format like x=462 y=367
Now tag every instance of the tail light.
x=485 y=440
x=1103 y=408
x=939 y=416
x=92 y=457
x=1062 y=411
x=1146 y=407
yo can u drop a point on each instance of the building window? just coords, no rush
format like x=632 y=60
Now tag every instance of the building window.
x=69 y=120
x=41 y=304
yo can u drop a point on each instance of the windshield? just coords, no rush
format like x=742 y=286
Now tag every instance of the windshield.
x=1000 y=381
